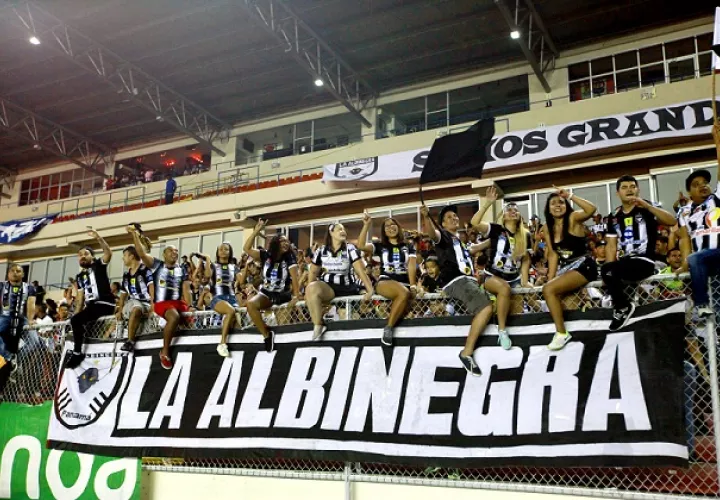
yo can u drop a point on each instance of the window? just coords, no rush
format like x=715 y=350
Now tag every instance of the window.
x=210 y=242
x=667 y=62
x=668 y=185
x=235 y=238
x=189 y=245
x=38 y=269
x=597 y=195
x=59 y=186
x=55 y=274
x=404 y=117
x=501 y=97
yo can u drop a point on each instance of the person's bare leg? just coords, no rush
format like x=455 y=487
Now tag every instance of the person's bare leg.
x=228 y=313
x=399 y=295
x=501 y=289
x=172 y=320
x=555 y=290
x=134 y=322
x=479 y=322
x=255 y=307
x=316 y=295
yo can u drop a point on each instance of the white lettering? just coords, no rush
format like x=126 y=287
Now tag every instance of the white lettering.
x=498 y=420
x=52 y=473
x=228 y=381
x=130 y=417
x=619 y=349
x=298 y=384
x=337 y=399
x=373 y=384
x=129 y=467
x=32 y=479
x=563 y=384
x=177 y=384
x=250 y=413
x=422 y=387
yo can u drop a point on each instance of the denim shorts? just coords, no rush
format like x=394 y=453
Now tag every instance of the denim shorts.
x=230 y=299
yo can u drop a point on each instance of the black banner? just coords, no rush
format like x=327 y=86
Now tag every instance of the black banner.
x=611 y=399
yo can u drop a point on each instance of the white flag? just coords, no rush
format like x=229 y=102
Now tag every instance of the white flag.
x=716 y=41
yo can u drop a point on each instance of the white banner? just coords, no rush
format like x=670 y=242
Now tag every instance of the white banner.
x=716 y=40
x=528 y=146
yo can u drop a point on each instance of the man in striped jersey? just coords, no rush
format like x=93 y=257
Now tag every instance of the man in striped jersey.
x=630 y=254
x=134 y=304
x=94 y=299
x=170 y=291
x=17 y=301
x=699 y=233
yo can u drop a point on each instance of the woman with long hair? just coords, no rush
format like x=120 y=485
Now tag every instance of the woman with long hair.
x=398 y=268
x=508 y=262
x=278 y=264
x=223 y=275
x=570 y=265
x=331 y=275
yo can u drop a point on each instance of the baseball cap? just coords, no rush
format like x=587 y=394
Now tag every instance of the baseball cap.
x=697 y=173
x=449 y=208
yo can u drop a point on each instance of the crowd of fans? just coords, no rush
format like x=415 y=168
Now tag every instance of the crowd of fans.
x=143 y=174
x=476 y=264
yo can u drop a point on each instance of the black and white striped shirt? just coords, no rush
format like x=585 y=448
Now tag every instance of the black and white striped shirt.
x=223 y=278
x=95 y=283
x=636 y=232
x=337 y=267
x=276 y=274
x=13 y=298
x=168 y=281
x=136 y=285
x=502 y=247
x=703 y=222
x=394 y=260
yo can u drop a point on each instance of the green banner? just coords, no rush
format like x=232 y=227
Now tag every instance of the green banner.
x=29 y=470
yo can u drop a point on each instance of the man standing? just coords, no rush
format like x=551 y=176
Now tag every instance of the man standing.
x=630 y=253
x=170 y=291
x=134 y=303
x=456 y=278
x=17 y=303
x=94 y=299
x=39 y=292
x=170 y=188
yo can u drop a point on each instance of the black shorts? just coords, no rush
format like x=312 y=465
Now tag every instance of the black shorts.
x=584 y=265
x=345 y=290
x=276 y=298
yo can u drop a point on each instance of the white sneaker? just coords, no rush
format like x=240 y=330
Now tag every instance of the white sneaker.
x=223 y=351
x=318 y=331
x=558 y=341
x=504 y=340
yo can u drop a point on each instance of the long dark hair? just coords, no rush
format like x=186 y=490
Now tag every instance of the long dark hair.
x=274 y=247
x=328 y=239
x=550 y=220
x=217 y=252
x=384 y=237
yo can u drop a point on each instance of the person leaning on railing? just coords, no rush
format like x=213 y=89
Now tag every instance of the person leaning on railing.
x=699 y=233
x=17 y=303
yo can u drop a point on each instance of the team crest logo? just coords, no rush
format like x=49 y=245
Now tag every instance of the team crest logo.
x=162 y=283
x=356 y=169
x=712 y=217
x=83 y=394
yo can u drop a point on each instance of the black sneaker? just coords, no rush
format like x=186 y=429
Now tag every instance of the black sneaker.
x=74 y=360
x=387 y=336
x=470 y=365
x=270 y=342
x=128 y=346
x=621 y=317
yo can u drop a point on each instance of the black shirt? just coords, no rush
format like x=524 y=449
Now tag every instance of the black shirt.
x=95 y=283
x=276 y=273
x=502 y=246
x=453 y=258
x=636 y=232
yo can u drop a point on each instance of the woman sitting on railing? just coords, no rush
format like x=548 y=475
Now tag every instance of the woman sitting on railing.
x=570 y=265
x=279 y=264
x=398 y=268
x=331 y=275
x=223 y=275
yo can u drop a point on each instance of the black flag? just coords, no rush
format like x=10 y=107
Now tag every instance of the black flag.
x=459 y=155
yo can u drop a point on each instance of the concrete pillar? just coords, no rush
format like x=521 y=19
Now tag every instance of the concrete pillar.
x=220 y=162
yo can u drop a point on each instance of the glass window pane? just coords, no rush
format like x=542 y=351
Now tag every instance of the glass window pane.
x=55 y=274
x=319 y=232
x=705 y=64
x=189 y=245
x=3 y=270
x=336 y=131
x=626 y=60
x=407 y=218
x=627 y=80
x=540 y=201
x=596 y=195
x=651 y=75
x=352 y=228
x=704 y=42
x=603 y=85
x=578 y=71
x=651 y=54
x=466 y=210
x=644 y=185
x=501 y=97
x=235 y=238
x=210 y=242
x=580 y=90
x=37 y=271
x=602 y=66
x=300 y=237
x=683 y=69
x=668 y=185
x=679 y=48
x=303 y=130
x=71 y=268
x=404 y=117
x=115 y=268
